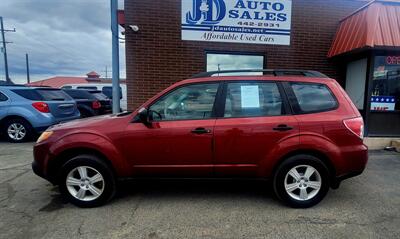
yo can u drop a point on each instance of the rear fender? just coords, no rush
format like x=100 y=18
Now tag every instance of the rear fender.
x=285 y=145
x=93 y=141
x=303 y=143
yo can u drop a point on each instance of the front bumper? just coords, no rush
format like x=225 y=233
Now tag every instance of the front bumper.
x=40 y=164
x=37 y=170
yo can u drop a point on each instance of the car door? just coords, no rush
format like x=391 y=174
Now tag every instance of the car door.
x=179 y=139
x=254 y=120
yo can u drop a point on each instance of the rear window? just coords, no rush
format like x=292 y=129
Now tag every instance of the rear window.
x=87 y=87
x=312 y=97
x=100 y=96
x=80 y=94
x=29 y=94
x=53 y=95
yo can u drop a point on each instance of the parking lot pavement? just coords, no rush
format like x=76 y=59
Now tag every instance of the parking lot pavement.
x=364 y=207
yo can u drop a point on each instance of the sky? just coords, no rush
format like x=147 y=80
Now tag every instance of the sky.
x=62 y=38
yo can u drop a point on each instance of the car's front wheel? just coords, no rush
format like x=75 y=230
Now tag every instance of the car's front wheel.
x=87 y=181
x=301 y=181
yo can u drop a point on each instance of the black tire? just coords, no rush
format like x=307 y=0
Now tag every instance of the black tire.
x=26 y=128
x=303 y=184
x=90 y=162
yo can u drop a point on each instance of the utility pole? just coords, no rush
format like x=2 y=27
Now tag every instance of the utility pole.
x=4 y=49
x=106 y=71
x=28 y=77
x=115 y=57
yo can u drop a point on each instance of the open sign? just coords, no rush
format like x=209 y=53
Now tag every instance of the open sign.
x=393 y=60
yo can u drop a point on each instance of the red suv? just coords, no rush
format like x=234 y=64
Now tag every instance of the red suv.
x=297 y=128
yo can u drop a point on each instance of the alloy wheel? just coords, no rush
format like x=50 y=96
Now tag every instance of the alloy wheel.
x=16 y=131
x=85 y=183
x=303 y=182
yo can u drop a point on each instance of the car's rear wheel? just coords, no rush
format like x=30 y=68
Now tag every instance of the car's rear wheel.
x=87 y=181
x=17 y=130
x=301 y=181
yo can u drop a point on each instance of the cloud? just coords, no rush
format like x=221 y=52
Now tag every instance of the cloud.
x=62 y=37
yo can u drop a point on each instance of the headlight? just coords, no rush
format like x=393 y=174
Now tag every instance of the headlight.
x=44 y=136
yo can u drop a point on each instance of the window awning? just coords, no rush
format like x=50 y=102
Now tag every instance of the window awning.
x=375 y=25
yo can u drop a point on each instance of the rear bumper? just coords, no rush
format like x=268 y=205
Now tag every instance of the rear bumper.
x=355 y=163
x=44 y=120
x=336 y=182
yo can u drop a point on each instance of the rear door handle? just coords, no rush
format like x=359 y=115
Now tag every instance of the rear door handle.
x=283 y=127
x=201 y=131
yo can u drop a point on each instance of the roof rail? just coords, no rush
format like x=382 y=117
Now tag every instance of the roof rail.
x=12 y=85
x=280 y=72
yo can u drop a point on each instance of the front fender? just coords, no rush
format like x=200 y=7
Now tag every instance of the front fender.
x=93 y=141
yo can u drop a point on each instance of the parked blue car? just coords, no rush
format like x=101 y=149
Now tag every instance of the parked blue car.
x=26 y=112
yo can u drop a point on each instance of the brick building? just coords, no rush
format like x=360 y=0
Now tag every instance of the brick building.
x=330 y=36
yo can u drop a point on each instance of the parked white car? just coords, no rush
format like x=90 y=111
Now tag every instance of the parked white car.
x=104 y=87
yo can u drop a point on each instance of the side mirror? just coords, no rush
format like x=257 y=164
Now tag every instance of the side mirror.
x=144 y=116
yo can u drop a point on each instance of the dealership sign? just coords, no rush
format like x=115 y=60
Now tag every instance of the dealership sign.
x=238 y=21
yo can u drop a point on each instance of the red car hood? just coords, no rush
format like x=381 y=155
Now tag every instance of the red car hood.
x=93 y=122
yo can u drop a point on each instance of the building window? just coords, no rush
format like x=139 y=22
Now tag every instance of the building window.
x=386 y=84
x=223 y=62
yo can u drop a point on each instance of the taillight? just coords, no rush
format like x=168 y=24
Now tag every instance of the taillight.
x=96 y=105
x=41 y=107
x=356 y=126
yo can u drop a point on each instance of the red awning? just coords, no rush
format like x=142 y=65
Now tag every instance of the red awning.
x=375 y=25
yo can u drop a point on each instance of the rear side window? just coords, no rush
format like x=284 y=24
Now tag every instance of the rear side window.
x=29 y=94
x=53 y=95
x=3 y=97
x=313 y=98
x=252 y=100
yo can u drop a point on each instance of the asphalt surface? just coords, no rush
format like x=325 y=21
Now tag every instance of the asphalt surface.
x=367 y=206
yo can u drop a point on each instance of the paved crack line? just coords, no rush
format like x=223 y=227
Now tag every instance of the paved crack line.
x=15 y=166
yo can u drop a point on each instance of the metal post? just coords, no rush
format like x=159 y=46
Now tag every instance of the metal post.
x=4 y=51
x=28 y=78
x=115 y=57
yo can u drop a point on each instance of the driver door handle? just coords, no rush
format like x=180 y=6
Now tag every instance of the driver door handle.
x=201 y=131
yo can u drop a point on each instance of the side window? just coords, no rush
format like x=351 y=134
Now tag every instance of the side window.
x=313 y=97
x=253 y=99
x=3 y=97
x=188 y=102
